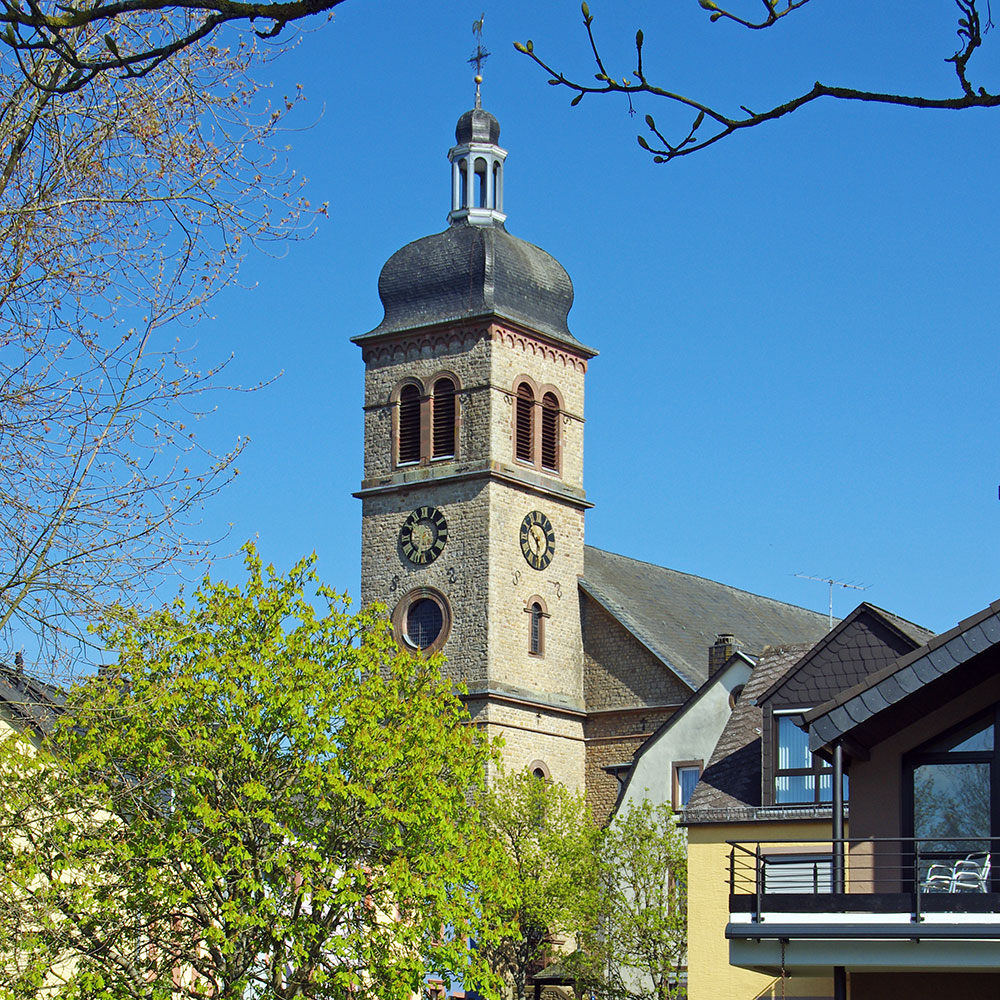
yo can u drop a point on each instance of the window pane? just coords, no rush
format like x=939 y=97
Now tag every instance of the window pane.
x=687 y=778
x=424 y=622
x=978 y=735
x=793 y=745
x=795 y=788
x=951 y=801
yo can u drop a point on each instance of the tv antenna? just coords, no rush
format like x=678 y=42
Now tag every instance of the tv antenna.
x=832 y=583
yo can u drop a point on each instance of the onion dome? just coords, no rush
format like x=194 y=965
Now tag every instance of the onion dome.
x=475 y=268
x=477 y=126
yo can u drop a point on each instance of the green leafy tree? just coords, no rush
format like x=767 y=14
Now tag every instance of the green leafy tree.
x=637 y=945
x=549 y=842
x=701 y=123
x=262 y=799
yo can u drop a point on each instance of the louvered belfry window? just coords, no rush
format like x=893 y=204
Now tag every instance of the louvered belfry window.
x=523 y=430
x=550 y=432
x=443 y=417
x=409 y=424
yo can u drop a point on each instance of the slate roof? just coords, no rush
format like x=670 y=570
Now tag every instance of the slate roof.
x=913 y=683
x=867 y=640
x=29 y=700
x=730 y=787
x=678 y=616
x=472 y=271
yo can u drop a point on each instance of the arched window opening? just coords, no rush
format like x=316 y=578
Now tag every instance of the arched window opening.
x=481 y=183
x=535 y=639
x=550 y=432
x=409 y=425
x=443 y=419
x=523 y=429
x=540 y=770
x=463 y=182
x=497 y=187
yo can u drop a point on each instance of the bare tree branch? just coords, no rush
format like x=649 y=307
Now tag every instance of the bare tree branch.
x=711 y=124
x=133 y=37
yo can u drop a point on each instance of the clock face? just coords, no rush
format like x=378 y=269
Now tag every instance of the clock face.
x=538 y=540
x=423 y=535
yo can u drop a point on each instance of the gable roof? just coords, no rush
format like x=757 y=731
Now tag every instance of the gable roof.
x=31 y=702
x=910 y=685
x=867 y=640
x=729 y=790
x=678 y=616
x=664 y=728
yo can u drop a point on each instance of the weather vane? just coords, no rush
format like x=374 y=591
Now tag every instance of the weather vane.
x=479 y=56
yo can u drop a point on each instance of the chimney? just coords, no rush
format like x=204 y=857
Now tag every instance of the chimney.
x=724 y=647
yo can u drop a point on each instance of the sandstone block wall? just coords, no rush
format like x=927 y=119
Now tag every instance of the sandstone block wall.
x=619 y=672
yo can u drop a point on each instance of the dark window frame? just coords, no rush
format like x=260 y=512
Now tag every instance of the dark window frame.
x=919 y=756
x=818 y=768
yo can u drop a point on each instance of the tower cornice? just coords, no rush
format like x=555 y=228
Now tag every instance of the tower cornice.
x=402 y=345
x=526 y=479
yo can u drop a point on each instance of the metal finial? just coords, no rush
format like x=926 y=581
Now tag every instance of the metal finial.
x=479 y=56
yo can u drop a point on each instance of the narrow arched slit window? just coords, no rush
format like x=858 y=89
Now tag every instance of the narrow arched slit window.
x=535 y=635
x=497 y=187
x=443 y=419
x=523 y=430
x=481 y=183
x=409 y=425
x=550 y=432
x=463 y=182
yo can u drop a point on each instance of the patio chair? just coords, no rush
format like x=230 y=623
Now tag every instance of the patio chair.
x=972 y=873
x=939 y=878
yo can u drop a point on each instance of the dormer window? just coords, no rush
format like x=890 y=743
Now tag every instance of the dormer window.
x=800 y=777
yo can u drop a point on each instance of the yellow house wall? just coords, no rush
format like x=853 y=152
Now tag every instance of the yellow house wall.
x=710 y=976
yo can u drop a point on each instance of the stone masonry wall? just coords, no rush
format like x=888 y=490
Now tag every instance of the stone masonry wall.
x=619 y=672
x=613 y=738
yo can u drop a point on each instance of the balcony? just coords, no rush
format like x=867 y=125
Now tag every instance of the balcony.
x=875 y=904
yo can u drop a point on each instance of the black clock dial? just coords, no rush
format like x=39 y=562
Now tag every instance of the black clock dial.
x=538 y=540
x=423 y=535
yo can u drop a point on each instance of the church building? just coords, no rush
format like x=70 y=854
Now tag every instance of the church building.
x=473 y=505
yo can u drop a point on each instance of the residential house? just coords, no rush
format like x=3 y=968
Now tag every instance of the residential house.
x=909 y=905
x=764 y=786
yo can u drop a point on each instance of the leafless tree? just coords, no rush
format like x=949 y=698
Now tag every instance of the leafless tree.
x=126 y=201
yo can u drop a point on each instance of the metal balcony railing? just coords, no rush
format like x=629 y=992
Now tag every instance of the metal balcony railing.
x=873 y=875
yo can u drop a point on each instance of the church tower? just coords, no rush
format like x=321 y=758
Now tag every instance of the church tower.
x=472 y=498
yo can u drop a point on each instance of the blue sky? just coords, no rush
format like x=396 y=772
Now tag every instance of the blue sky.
x=797 y=327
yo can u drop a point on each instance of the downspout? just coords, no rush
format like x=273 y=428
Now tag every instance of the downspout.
x=839 y=881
